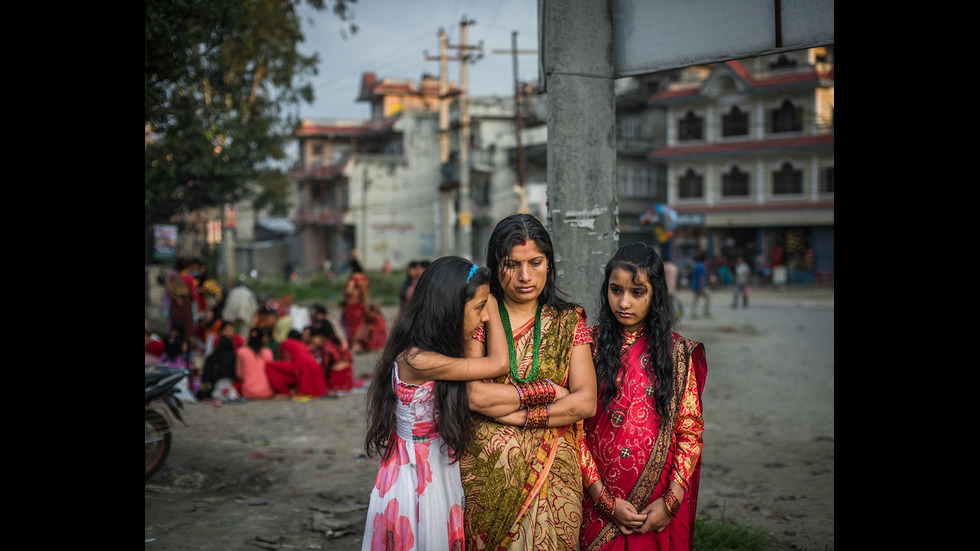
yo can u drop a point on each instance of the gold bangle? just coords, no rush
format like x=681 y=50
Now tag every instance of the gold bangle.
x=672 y=503
x=605 y=504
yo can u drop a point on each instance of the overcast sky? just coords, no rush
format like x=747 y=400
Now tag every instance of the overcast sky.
x=395 y=37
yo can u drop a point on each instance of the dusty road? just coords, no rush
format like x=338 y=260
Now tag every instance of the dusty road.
x=292 y=475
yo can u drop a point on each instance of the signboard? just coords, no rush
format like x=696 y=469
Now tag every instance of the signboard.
x=164 y=242
x=690 y=220
x=655 y=35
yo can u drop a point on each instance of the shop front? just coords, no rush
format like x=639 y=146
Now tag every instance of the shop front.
x=778 y=253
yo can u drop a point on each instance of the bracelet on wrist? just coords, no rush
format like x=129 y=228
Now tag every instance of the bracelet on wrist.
x=537 y=417
x=605 y=504
x=672 y=503
x=535 y=393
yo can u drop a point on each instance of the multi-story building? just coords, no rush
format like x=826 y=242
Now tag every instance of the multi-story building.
x=370 y=188
x=386 y=190
x=743 y=151
x=507 y=175
x=642 y=182
x=749 y=161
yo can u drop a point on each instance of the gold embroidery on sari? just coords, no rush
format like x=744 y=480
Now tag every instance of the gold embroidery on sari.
x=642 y=492
x=506 y=472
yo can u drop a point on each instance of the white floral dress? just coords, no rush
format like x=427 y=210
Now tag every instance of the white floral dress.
x=417 y=499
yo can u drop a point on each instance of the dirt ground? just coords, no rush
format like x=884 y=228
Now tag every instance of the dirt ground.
x=284 y=474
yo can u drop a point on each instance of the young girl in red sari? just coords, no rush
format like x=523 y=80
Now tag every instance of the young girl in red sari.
x=418 y=410
x=356 y=292
x=335 y=360
x=642 y=460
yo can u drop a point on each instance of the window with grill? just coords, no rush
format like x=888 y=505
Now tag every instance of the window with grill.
x=787 y=181
x=827 y=180
x=735 y=123
x=690 y=185
x=691 y=127
x=735 y=183
x=635 y=181
x=788 y=118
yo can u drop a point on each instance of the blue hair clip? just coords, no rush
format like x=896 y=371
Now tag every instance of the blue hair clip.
x=472 y=271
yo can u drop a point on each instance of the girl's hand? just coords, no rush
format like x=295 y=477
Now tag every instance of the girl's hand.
x=657 y=518
x=495 y=400
x=626 y=518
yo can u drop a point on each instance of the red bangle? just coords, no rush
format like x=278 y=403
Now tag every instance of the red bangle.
x=535 y=393
x=605 y=504
x=537 y=417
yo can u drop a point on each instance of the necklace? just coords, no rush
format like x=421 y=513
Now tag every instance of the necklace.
x=510 y=343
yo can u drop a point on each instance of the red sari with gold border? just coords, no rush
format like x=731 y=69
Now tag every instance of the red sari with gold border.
x=635 y=459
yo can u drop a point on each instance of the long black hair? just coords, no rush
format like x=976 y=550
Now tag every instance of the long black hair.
x=431 y=321
x=514 y=230
x=256 y=338
x=636 y=259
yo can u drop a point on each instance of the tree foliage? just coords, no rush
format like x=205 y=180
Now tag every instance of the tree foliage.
x=220 y=78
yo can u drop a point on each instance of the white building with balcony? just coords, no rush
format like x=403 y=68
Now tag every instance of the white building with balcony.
x=749 y=159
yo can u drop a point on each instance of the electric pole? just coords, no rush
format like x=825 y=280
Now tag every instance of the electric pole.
x=518 y=117
x=446 y=210
x=464 y=241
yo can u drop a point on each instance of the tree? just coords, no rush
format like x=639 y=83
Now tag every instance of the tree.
x=219 y=79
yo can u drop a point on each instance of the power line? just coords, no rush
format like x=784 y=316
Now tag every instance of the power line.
x=407 y=51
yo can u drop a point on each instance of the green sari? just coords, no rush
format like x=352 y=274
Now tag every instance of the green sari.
x=523 y=487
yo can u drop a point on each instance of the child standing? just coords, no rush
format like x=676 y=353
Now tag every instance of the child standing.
x=418 y=413
x=642 y=462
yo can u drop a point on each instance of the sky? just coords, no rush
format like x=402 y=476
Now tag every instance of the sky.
x=395 y=38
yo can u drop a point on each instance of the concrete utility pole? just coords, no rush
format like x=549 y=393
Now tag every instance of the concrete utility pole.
x=443 y=99
x=228 y=243
x=464 y=244
x=518 y=115
x=446 y=210
x=577 y=62
x=464 y=240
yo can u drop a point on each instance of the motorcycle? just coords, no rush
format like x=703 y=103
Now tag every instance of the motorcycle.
x=160 y=384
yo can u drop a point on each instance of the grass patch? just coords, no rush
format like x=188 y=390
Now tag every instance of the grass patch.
x=324 y=290
x=716 y=535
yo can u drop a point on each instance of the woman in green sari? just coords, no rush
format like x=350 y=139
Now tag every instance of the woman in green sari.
x=522 y=477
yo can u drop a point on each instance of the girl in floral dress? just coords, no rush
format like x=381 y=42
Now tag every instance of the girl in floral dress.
x=418 y=412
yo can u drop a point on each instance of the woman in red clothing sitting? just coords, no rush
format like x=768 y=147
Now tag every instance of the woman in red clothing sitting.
x=335 y=360
x=296 y=371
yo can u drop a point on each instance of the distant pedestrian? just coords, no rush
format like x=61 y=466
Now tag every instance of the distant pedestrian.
x=699 y=284
x=356 y=293
x=742 y=273
x=412 y=274
x=250 y=364
x=240 y=308
x=185 y=300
